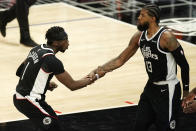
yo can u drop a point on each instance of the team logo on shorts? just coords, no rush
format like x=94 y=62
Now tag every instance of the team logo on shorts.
x=172 y=124
x=47 y=120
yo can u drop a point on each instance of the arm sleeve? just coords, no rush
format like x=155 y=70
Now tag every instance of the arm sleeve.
x=182 y=62
x=54 y=65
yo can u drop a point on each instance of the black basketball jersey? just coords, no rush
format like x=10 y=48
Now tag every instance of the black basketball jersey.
x=160 y=64
x=39 y=68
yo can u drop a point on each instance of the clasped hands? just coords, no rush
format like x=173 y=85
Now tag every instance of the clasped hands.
x=52 y=85
x=96 y=74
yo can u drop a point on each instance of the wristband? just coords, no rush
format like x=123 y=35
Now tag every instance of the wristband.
x=97 y=76
x=186 y=87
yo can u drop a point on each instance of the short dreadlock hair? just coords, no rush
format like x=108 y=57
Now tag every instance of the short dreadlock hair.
x=55 y=33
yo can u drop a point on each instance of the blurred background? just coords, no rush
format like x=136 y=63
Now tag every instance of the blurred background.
x=179 y=15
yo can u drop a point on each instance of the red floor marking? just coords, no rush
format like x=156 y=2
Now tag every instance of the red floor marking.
x=58 y=112
x=128 y=102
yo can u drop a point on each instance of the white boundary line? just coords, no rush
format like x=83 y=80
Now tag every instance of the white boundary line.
x=115 y=20
x=121 y=22
x=188 y=43
x=83 y=111
x=97 y=109
x=46 y=4
x=83 y=10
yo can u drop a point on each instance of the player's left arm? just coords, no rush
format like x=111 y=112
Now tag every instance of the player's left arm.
x=169 y=42
x=52 y=85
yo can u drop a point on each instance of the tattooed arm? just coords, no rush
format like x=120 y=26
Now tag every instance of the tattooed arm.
x=170 y=43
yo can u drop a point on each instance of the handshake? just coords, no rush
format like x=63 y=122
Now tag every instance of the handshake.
x=96 y=74
x=87 y=80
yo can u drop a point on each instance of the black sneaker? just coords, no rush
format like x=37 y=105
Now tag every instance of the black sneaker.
x=2 y=25
x=28 y=42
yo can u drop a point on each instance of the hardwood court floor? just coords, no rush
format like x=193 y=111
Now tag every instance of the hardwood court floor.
x=94 y=40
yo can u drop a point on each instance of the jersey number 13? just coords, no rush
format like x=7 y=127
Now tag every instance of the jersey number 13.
x=148 y=66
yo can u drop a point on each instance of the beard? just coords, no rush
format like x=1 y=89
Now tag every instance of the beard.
x=62 y=50
x=143 y=27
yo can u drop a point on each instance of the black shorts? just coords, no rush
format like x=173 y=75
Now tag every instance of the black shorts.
x=39 y=112
x=159 y=104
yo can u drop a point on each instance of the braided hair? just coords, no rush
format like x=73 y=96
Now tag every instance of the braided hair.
x=153 y=10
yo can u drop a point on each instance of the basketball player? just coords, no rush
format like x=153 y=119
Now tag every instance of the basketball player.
x=160 y=100
x=19 y=10
x=35 y=74
x=189 y=104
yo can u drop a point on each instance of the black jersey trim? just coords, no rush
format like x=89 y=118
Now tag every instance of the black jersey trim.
x=47 y=54
x=45 y=71
x=158 y=43
x=140 y=38
x=21 y=98
x=42 y=46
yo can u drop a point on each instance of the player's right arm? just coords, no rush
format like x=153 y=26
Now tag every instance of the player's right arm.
x=55 y=66
x=124 y=56
x=66 y=79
